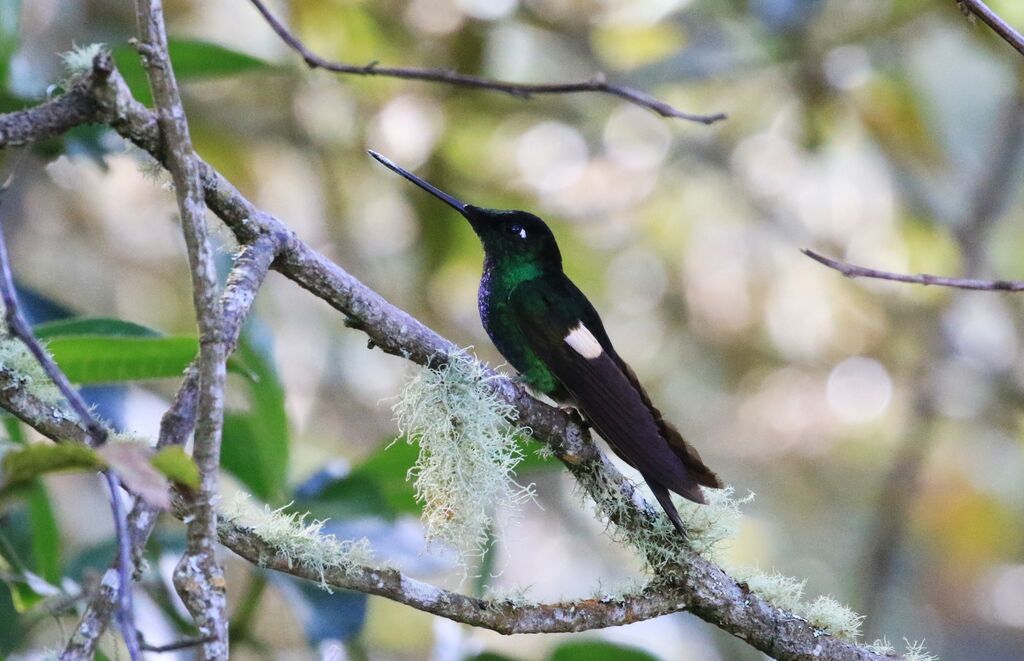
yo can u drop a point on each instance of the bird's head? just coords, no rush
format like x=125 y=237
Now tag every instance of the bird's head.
x=508 y=236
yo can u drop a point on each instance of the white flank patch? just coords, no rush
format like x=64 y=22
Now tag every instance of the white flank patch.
x=583 y=342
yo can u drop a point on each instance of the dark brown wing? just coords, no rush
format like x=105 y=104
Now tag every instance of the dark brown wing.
x=603 y=388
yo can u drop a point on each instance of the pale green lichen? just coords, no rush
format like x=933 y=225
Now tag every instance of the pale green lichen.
x=709 y=528
x=78 y=61
x=514 y=596
x=712 y=524
x=18 y=361
x=545 y=452
x=130 y=437
x=618 y=592
x=784 y=591
x=829 y=615
x=881 y=646
x=916 y=652
x=468 y=452
x=299 y=542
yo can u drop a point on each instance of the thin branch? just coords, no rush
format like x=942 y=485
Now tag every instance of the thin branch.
x=175 y=646
x=125 y=608
x=199 y=577
x=598 y=84
x=854 y=271
x=992 y=19
x=251 y=266
x=712 y=595
x=501 y=616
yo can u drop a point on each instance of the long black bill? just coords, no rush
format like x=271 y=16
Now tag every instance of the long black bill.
x=433 y=190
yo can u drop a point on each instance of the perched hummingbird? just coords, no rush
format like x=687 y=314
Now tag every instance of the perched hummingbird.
x=550 y=333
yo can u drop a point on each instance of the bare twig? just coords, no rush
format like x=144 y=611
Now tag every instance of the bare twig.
x=445 y=76
x=711 y=594
x=175 y=646
x=198 y=578
x=854 y=271
x=992 y=19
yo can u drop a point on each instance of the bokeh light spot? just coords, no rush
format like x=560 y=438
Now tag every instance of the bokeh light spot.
x=859 y=389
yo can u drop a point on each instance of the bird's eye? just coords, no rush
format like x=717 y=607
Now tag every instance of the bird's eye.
x=518 y=229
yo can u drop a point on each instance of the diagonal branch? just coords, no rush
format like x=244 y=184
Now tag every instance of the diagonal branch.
x=854 y=271
x=445 y=76
x=992 y=19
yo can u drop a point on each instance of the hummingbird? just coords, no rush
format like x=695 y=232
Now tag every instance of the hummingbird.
x=545 y=327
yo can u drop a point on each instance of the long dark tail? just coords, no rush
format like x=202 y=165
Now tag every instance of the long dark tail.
x=665 y=499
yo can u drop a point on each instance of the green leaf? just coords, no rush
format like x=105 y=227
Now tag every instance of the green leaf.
x=599 y=651
x=177 y=465
x=255 y=442
x=30 y=461
x=10 y=36
x=26 y=588
x=191 y=59
x=13 y=428
x=94 y=351
x=22 y=596
x=46 y=541
x=92 y=326
x=533 y=461
x=94 y=359
x=11 y=630
x=376 y=486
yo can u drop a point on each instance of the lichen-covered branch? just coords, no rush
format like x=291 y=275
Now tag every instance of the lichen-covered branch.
x=598 y=84
x=198 y=578
x=710 y=592
x=505 y=617
x=250 y=268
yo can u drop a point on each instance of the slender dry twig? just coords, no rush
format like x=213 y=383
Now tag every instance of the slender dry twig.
x=712 y=594
x=199 y=577
x=246 y=277
x=597 y=84
x=992 y=19
x=175 y=646
x=854 y=271
x=96 y=435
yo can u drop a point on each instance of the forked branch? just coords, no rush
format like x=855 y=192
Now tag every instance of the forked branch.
x=597 y=84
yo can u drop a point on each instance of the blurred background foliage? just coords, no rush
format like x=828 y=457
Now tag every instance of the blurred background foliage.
x=878 y=424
